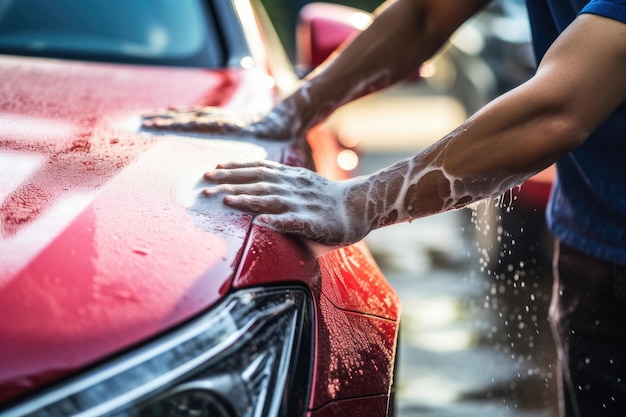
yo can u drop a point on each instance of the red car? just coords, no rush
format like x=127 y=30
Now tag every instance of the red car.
x=124 y=291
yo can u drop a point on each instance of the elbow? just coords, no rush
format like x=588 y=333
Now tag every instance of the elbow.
x=555 y=119
x=561 y=115
x=566 y=132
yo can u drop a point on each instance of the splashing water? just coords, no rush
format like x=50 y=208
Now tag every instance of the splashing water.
x=517 y=292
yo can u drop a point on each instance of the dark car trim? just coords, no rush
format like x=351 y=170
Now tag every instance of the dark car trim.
x=231 y=30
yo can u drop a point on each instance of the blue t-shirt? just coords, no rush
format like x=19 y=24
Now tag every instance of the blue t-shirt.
x=587 y=209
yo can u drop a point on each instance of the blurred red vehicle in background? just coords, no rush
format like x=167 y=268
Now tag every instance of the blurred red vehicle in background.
x=124 y=291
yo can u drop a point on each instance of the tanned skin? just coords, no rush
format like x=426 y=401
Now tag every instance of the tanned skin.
x=579 y=83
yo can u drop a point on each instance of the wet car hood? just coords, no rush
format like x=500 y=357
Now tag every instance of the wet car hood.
x=105 y=239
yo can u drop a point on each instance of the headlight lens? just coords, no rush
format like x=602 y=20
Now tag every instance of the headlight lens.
x=239 y=360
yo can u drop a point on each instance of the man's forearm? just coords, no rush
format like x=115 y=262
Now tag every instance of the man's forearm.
x=403 y=35
x=500 y=146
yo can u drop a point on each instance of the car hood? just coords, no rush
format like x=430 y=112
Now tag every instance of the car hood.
x=105 y=238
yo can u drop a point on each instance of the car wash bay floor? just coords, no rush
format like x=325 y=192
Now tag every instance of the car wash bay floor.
x=471 y=344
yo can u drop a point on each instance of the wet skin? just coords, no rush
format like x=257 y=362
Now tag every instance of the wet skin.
x=507 y=141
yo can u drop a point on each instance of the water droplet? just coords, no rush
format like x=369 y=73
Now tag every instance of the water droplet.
x=141 y=251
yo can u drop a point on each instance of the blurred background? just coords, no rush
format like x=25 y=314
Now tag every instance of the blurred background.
x=475 y=283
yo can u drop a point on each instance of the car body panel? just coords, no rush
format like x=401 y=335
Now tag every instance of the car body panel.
x=352 y=299
x=85 y=209
x=371 y=406
x=349 y=365
x=106 y=242
x=349 y=277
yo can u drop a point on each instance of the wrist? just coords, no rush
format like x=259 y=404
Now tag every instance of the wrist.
x=380 y=198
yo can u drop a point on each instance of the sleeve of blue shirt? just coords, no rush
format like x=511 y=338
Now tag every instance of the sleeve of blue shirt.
x=612 y=9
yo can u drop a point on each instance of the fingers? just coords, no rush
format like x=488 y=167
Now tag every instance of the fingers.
x=255 y=189
x=250 y=164
x=173 y=111
x=288 y=199
x=258 y=203
x=217 y=121
x=246 y=172
x=171 y=117
x=184 y=113
x=270 y=179
x=191 y=125
x=208 y=120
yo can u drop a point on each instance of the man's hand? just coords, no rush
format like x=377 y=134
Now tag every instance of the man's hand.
x=293 y=200
x=276 y=125
x=204 y=120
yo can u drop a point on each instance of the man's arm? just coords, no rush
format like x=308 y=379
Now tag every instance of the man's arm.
x=402 y=36
x=579 y=83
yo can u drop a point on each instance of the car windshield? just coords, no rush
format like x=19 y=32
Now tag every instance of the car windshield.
x=167 y=32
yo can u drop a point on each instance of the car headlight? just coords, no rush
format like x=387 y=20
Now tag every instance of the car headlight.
x=238 y=360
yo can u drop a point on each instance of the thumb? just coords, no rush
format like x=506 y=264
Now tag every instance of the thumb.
x=302 y=227
x=282 y=222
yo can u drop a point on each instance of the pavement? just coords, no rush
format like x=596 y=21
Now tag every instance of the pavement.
x=473 y=341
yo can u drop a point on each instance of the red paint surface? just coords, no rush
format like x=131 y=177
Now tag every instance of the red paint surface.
x=265 y=261
x=535 y=192
x=355 y=355
x=372 y=406
x=146 y=253
x=353 y=282
x=322 y=29
x=356 y=316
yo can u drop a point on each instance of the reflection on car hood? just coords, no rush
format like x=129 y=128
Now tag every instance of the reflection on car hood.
x=105 y=238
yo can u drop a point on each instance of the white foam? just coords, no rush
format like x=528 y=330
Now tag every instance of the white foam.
x=17 y=251
x=20 y=128
x=15 y=168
